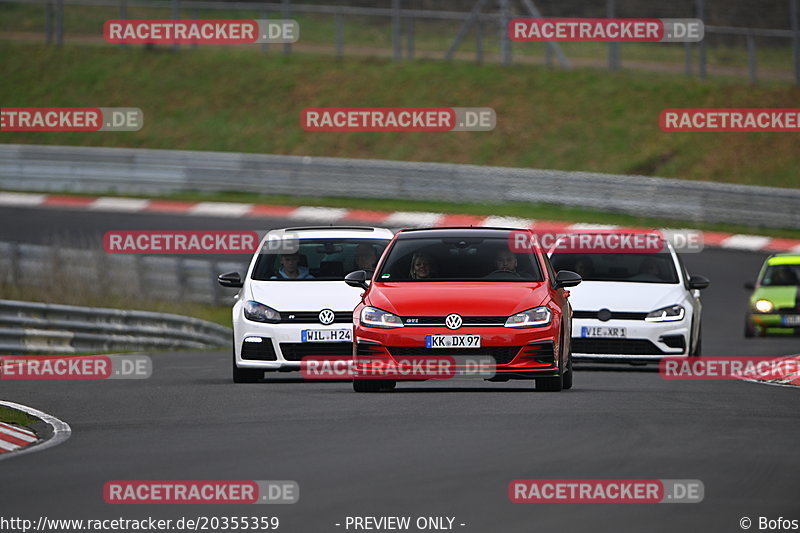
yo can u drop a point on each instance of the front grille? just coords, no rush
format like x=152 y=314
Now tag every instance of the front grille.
x=312 y=317
x=295 y=351
x=466 y=320
x=787 y=311
x=615 y=346
x=615 y=315
x=501 y=354
x=259 y=351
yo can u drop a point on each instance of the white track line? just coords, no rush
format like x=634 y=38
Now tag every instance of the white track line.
x=507 y=222
x=220 y=209
x=318 y=214
x=419 y=219
x=21 y=199
x=128 y=205
x=745 y=242
x=61 y=430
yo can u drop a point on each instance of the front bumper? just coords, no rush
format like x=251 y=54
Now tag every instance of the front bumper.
x=514 y=353
x=776 y=323
x=643 y=341
x=281 y=346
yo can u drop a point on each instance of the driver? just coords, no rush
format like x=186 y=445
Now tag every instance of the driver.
x=422 y=266
x=506 y=260
x=292 y=269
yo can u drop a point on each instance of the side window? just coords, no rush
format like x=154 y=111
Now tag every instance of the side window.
x=550 y=272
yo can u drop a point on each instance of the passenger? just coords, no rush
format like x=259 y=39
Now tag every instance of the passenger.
x=366 y=257
x=291 y=268
x=422 y=266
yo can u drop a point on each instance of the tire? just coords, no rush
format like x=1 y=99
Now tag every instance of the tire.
x=698 y=349
x=551 y=384
x=246 y=375
x=566 y=382
x=749 y=330
x=389 y=384
x=367 y=385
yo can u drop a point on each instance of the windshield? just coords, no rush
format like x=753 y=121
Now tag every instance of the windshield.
x=319 y=260
x=781 y=275
x=458 y=259
x=635 y=267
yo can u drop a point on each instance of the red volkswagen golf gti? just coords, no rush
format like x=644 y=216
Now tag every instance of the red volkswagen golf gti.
x=464 y=295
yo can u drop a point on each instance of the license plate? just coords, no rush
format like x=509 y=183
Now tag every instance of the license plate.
x=599 y=331
x=791 y=320
x=327 y=335
x=452 y=341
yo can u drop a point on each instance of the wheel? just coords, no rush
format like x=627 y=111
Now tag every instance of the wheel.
x=749 y=330
x=366 y=385
x=566 y=383
x=698 y=349
x=551 y=384
x=245 y=375
x=389 y=384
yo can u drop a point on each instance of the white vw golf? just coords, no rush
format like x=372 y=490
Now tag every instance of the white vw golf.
x=292 y=302
x=633 y=307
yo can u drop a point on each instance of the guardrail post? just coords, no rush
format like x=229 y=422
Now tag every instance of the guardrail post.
x=701 y=60
x=180 y=273
x=751 y=58
x=794 y=9
x=195 y=15
x=48 y=23
x=123 y=14
x=479 y=42
x=396 y=37
x=176 y=14
x=286 y=13
x=264 y=46
x=613 y=48
x=505 y=42
x=339 y=36
x=687 y=58
x=16 y=260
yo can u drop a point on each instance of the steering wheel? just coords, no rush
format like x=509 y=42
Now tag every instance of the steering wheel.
x=506 y=272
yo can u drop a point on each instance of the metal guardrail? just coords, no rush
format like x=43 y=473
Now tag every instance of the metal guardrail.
x=141 y=171
x=29 y=327
x=177 y=279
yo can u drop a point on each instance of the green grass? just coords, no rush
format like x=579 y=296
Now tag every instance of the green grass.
x=12 y=416
x=234 y=100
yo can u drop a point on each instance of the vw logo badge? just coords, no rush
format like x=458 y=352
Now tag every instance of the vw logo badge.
x=604 y=315
x=453 y=321
x=326 y=317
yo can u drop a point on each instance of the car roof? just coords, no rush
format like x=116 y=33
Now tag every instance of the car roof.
x=466 y=231
x=315 y=232
x=784 y=259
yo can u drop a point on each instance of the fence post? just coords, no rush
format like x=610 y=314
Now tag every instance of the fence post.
x=59 y=22
x=48 y=22
x=795 y=14
x=287 y=47
x=687 y=58
x=479 y=42
x=701 y=60
x=339 y=36
x=613 y=48
x=751 y=58
x=396 y=46
x=176 y=14
x=264 y=46
x=410 y=30
x=123 y=14
x=505 y=43
x=195 y=16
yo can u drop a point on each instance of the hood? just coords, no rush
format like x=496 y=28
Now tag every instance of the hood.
x=466 y=299
x=780 y=296
x=619 y=296
x=305 y=295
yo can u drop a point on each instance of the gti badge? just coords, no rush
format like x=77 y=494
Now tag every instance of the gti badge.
x=326 y=317
x=453 y=321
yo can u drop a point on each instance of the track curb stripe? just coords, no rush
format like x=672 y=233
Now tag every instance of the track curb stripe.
x=332 y=215
x=18 y=446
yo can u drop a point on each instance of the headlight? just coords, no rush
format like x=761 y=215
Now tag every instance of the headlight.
x=764 y=306
x=538 y=316
x=378 y=318
x=672 y=313
x=259 y=312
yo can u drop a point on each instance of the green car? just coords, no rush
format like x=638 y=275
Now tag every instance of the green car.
x=775 y=302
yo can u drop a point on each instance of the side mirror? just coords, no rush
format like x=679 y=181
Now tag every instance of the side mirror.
x=698 y=282
x=750 y=285
x=231 y=279
x=357 y=279
x=567 y=278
